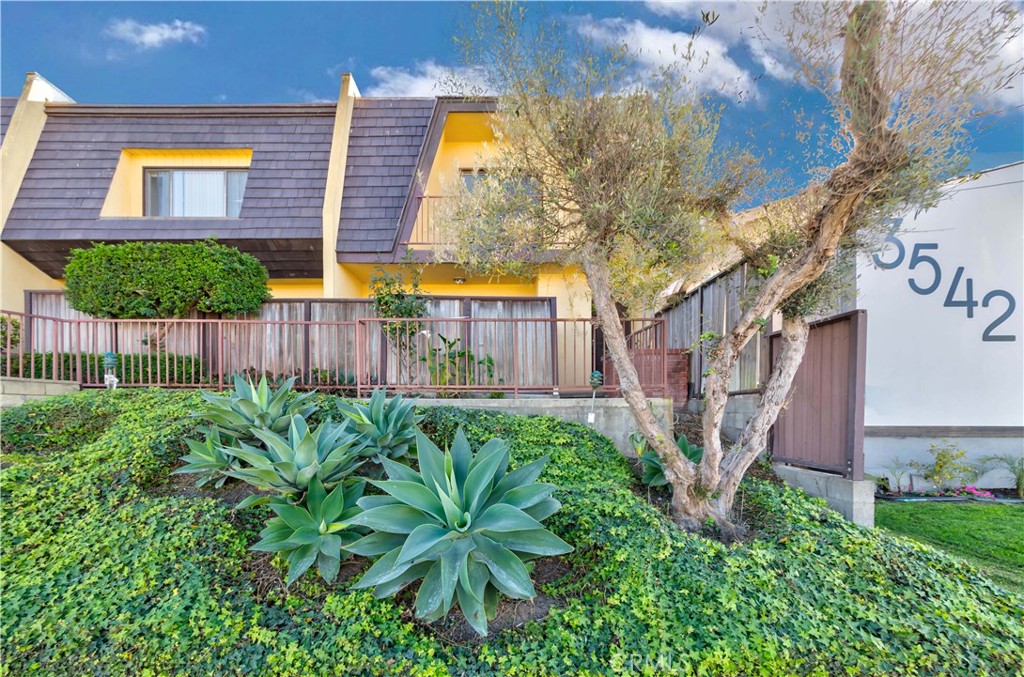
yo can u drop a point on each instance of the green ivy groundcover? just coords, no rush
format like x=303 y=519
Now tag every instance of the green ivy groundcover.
x=110 y=568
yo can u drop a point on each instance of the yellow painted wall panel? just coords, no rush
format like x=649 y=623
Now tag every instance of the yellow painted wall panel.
x=125 y=196
x=297 y=289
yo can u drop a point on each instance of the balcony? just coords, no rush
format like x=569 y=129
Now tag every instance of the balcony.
x=424 y=230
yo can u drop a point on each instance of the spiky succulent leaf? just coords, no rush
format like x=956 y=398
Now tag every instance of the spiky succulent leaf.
x=387 y=427
x=208 y=459
x=248 y=409
x=462 y=525
x=317 y=530
x=289 y=465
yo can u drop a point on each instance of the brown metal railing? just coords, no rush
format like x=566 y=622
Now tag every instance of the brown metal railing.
x=431 y=356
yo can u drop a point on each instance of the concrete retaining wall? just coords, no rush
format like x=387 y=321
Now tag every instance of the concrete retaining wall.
x=15 y=391
x=855 y=500
x=612 y=417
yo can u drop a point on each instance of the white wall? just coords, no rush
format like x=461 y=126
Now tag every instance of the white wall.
x=929 y=364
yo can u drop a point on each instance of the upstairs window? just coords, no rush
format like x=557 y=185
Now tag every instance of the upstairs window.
x=187 y=193
x=470 y=177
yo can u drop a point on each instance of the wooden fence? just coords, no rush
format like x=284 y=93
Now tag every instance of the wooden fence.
x=822 y=427
x=431 y=355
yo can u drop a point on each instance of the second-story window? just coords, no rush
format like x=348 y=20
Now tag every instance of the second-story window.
x=471 y=176
x=194 y=192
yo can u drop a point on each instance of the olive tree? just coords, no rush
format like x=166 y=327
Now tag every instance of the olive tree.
x=619 y=171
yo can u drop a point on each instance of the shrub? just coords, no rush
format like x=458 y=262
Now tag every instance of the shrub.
x=163 y=279
x=462 y=525
x=248 y=409
x=136 y=368
x=947 y=466
x=10 y=330
x=387 y=427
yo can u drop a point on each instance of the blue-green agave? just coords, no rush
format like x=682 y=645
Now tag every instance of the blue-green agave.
x=462 y=524
x=208 y=459
x=317 y=529
x=387 y=427
x=249 y=408
x=288 y=465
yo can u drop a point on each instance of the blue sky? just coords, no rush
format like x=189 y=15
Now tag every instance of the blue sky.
x=284 y=52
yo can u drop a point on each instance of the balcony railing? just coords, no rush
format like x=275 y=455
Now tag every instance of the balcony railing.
x=424 y=229
x=430 y=356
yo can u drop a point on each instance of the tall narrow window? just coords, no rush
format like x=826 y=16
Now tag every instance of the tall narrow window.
x=194 y=192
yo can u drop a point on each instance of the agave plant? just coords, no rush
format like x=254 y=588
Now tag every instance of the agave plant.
x=250 y=408
x=654 y=469
x=462 y=524
x=208 y=459
x=315 y=530
x=289 y=465
x=387 y=427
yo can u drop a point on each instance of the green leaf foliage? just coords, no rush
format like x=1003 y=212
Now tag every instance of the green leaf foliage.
x=208 y=459
x=462 y=524
x=248 y=409
x=290 y=465
x=316 y=531
x=106 y=572
x=141 y=280
x=651 y=464
x=135 y=368
x=387 y=427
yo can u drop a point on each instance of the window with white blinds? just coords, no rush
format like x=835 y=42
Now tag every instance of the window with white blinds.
x=194 y=192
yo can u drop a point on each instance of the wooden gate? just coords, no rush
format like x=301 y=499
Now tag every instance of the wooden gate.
x=822 y=427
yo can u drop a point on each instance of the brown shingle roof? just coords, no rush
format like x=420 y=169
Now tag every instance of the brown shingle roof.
x=7 y=104
x=385 y=142
x=67 y=181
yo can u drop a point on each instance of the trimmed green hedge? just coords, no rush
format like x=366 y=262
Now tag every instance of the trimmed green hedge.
x=105 y=572
x=164 y=279
x=131 y=368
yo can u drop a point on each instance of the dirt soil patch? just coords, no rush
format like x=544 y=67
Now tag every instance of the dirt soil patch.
x=453 y=629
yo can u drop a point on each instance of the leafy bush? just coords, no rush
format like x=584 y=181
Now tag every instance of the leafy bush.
x=462 y=525
x=106 y=573
x=387 y=427
x=138 y=368
x=947 y=466
x=164 y=279
x=248 y=409
x=289 y=465
x=316 y=530
x=10 y=330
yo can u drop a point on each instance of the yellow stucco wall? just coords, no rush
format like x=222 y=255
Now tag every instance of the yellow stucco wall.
x=336 y=282
x=19 y=145
x=296 y=289
x=125 y=197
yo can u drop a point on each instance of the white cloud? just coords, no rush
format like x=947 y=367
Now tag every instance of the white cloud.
x=759 y=27
x=155 y=35
x=425 y=78
x=713 y=70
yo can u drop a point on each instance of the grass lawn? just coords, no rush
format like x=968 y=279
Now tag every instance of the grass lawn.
x=988 y=535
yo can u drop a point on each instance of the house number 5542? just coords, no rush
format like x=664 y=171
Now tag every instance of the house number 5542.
x=927 y=277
